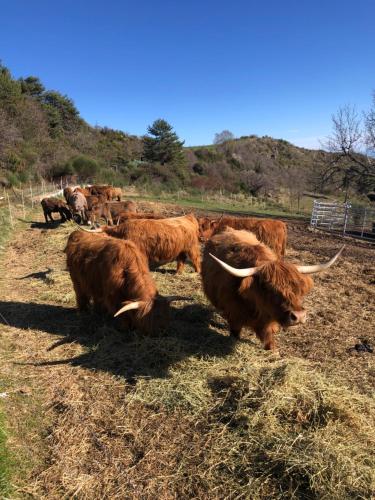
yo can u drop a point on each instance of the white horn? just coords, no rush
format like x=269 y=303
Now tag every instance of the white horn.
x=240 y=273
x=91 y=231
x=127 y=307
x=317 y=268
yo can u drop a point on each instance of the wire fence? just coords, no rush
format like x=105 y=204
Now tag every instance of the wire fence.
x=15 y=202
x=344 y=219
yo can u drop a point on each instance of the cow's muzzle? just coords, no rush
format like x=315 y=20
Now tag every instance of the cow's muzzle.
x=296 y=318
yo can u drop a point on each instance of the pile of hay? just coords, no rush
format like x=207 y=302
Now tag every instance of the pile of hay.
x=229 y=428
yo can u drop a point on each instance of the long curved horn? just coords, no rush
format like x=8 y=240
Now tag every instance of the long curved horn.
x=240 y=273
x=317 y=268
x=128 y=307
x=91 y=231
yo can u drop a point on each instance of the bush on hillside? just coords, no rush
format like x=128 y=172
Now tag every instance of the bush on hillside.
x=84 y=166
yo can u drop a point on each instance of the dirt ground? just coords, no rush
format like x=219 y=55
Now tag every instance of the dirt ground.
x=66 y=372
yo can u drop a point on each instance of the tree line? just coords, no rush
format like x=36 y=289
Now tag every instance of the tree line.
x=43 y=135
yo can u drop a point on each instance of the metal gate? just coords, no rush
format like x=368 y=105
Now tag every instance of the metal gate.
x=344 y=219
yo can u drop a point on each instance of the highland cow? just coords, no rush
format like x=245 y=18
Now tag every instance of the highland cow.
x=113 y=274
x=269 y=231
x=54 y=205
x=78 y=204
x=249 y=284
x=162 y=240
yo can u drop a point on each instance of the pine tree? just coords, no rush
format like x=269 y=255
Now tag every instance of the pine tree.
x=162 y=144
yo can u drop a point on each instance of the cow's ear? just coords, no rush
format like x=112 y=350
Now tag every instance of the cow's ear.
x=245 y=284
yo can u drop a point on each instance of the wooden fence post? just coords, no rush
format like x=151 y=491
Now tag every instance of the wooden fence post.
x=31 y=196
x=10 y=211
x=23 y=205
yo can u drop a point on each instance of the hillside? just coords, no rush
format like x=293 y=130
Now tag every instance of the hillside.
x=43 y=135
x=257 y=165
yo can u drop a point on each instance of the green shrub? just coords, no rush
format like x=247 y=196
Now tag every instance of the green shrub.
x=13 y=179
x=84 y=166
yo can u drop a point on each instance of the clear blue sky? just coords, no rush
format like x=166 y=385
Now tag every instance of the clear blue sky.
x=277 y=67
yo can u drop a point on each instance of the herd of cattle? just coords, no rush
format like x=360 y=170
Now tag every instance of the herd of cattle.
x=243 y=270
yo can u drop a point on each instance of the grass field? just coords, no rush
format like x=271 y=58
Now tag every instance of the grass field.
x=228 y=205
x=4 y=454
x=98 y=413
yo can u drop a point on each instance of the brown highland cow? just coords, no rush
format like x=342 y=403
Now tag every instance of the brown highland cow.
x=248 y=283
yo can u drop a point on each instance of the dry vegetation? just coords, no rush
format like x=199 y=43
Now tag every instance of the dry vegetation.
x=96 y=413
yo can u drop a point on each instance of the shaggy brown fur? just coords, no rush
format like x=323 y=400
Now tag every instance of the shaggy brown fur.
x=117 y=207
x=95 y=200
x=54 y=205
x=271 y=232
x=163 y=240
x=264 y=301
x=86 y=192
x=115 y=193
x=112 y=272
x=124 y=216
x=104 y=190
x=99 y=211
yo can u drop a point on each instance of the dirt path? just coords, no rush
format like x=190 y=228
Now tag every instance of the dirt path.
x=81 y=398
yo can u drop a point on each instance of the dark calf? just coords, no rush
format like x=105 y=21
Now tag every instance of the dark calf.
x=54 y=205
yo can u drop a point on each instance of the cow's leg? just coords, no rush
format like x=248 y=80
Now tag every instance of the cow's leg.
x=181 y=259
x=45 y=215
x=62 y=215
x=267 y=336
x=195 y=257
x=235 y=329
x=82 y=299
x=108 y=218
x=50 y=216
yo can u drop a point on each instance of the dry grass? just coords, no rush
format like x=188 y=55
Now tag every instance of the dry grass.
x=190 y=413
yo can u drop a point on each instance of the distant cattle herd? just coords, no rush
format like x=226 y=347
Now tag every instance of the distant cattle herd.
x=243 y=270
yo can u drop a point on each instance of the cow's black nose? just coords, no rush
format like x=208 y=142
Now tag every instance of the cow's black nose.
x=293 y=317
x=296 y=317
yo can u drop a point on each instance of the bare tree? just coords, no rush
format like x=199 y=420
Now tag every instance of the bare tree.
x=370 y=128
x=349 y=164
x=225 y=135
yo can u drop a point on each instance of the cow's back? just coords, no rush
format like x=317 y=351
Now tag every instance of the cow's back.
x=271 y=232
x=161 y=240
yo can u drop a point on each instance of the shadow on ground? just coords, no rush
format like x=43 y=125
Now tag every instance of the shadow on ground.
x=127 y=354
x=46 y=225
x=41 y=275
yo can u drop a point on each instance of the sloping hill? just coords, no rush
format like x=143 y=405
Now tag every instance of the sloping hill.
x=43 y=135
x=258 y=165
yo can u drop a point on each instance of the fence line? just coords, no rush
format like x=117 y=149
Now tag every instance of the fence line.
x=344 y=219
x=15 y=202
